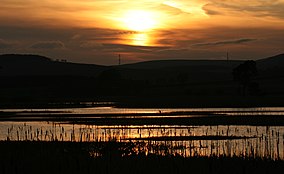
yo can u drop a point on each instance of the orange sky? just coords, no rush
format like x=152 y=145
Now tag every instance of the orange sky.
x=96 y=31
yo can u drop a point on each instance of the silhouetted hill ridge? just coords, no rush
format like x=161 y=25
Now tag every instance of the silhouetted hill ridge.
x=156 y=64
x=26 y=58
x=271 y=62
x=34 y=65
x=20 y=65
x=31 y=78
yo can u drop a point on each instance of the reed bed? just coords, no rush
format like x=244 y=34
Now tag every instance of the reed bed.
x=240 y=141
x=35 y=157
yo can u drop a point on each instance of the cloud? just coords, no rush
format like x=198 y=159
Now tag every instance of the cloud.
x=48 y=45
x=108 y=47
x=4 y=44
x=210 y=10
x=76 y=36
x=90 y=45
x=226 y=42
x=132 y=48
x=101 y=45
x=272 y=8
x=171 y=9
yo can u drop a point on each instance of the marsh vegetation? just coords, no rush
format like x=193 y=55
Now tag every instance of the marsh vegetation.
x=89 y=140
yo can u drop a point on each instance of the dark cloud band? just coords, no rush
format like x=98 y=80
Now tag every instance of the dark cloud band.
x=238 y=41
x=48 y=45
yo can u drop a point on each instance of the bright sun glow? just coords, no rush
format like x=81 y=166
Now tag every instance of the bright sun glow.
x=139 y=20
x=171 y=4
x=140 y=39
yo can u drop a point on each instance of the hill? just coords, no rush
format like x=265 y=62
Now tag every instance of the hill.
x=197 y=71
x=276 y=61
x=271 y=62
x=34 y=65
x=36 y=79
x=23 y=65
x=172 y=70
x=158 y=64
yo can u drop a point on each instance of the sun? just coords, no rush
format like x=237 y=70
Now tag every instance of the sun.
x=139 y=20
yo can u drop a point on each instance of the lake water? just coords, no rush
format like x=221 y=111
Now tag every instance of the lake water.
x=113 y=110
x=240 y=140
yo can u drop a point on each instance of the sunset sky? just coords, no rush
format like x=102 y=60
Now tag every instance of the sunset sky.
x=96 y=31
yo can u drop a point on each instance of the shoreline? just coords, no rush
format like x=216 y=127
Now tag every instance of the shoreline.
x=90 y=119
x=153 y=102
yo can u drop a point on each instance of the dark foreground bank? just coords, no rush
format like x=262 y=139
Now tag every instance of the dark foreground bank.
x=70 y=157
x=156 y=101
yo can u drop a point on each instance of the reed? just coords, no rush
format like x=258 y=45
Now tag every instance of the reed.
x=258 y=142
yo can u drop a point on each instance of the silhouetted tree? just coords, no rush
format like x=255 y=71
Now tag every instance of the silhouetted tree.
x=254 y=89
x=182 y=78
x=244 y=74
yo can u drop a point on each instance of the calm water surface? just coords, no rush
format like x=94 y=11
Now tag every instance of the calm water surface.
x=113 y=110
x=255 y=141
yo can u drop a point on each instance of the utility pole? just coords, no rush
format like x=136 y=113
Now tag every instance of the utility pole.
x=227 y=56
x=119 y=59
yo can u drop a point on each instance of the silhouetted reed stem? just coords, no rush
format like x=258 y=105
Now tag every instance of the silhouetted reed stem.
x=262 y=142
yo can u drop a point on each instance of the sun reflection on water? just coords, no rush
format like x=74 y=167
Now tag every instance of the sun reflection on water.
x=242 y=141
